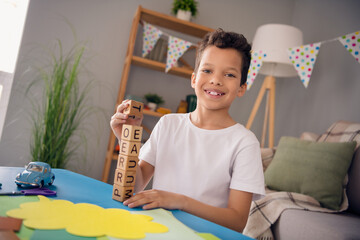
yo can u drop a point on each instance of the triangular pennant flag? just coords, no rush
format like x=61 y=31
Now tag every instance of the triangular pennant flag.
x=150 y=36
x=351 y=42
x=176 y=48
x=304 y=58
x=257 y=58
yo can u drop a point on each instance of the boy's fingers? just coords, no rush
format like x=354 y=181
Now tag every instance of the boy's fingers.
x=116 y=122
x=122 y=106
x=134 y=204
x=151 y=206
x=119 y=116
x=130 y=200
x=137 y=200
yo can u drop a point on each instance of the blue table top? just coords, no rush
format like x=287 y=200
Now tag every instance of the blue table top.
x=78 y=188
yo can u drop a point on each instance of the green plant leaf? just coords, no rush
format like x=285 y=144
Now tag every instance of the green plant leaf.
x=58 y=117
x=186 y=5
x=154 y=98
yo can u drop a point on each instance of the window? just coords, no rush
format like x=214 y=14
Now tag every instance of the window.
x=12 y=19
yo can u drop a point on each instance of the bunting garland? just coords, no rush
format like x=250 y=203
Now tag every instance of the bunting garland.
x=352 y=43
x=303 y=58
x=257 y=58
x=176 y=48
x=150 y=36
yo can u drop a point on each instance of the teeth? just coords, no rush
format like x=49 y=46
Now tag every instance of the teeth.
x=214 y=93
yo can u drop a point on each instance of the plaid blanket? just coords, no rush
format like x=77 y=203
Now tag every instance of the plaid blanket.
x=342 y=131
x=266 y=211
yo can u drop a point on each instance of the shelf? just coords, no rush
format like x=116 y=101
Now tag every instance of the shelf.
x=158 y=66
x=174 y=23
x=152 y=113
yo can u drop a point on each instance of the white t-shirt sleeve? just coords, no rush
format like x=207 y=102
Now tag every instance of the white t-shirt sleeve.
x=247 y=174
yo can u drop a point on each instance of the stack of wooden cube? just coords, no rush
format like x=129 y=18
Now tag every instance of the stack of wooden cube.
x=128 y=159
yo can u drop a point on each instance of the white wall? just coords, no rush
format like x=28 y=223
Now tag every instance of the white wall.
x=105 y=24
x=333 y=91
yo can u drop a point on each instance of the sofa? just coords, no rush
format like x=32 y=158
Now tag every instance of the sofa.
x=294 y=215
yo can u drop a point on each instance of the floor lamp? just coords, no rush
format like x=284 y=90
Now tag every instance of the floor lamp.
x=274 y=40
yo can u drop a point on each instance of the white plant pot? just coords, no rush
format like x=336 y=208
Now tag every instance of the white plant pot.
x=184 y=15
x=152 y=106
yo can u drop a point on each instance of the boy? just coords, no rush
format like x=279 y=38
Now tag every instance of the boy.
x=203 y=162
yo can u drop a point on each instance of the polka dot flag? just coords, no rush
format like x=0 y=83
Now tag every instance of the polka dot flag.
x=176 y=48
x=303 y=58
x=150 y=36
x=352 y=43
x=257 y=58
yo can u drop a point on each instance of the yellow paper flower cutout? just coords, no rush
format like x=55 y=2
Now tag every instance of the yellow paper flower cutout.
x=85 y=219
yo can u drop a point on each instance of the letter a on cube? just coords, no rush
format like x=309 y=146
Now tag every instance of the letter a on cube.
x=129 y=148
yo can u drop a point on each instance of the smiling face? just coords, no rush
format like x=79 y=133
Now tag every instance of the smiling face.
x=218 y=77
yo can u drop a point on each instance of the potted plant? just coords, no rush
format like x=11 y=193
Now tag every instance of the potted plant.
x=153 y=100
x=184 y=9
x=57 y=118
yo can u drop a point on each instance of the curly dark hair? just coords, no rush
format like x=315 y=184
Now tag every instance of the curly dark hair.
x=222 y=39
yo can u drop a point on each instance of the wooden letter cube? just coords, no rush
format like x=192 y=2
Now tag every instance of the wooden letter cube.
x=124 y=178
x=134 y=109
x=131 y=133
x=127 y=163
x=122 y=193
x=129 y=148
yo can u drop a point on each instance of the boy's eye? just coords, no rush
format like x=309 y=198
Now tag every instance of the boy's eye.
x=230 y=75
x=206 y=71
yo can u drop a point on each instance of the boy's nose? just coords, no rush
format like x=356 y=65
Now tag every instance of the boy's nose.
x=216 y=82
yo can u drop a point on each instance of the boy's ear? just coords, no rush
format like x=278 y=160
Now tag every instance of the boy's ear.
x=242 y=90
x=193 y=80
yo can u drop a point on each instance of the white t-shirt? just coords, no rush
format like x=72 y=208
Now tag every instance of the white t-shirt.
x=203 y=164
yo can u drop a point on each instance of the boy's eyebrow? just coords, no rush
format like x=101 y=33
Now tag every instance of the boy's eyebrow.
x=207 y=65
x=233 y=68
x=230 y=68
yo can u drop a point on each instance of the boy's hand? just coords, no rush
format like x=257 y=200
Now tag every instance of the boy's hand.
x=119 y=118
x=155 y=199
